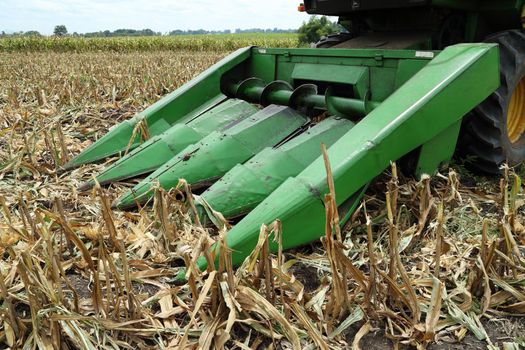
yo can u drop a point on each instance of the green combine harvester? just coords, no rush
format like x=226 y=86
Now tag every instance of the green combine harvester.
x=406 y=81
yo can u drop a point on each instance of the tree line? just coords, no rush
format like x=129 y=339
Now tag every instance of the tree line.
x=309 y=32
x=61 y=30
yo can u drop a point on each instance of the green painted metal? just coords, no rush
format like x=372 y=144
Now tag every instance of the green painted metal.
x=248 y=184
x=438 y=152
x=280 y=76
x=394 y=102
x=149 y=156
x=305 y=96
x=372 y=75
x=414 y=115
x=357 y=77
x=220 y=151
x=185 y=103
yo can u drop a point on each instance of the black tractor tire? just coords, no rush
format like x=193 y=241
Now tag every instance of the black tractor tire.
x=494 y=132
x=332 y=40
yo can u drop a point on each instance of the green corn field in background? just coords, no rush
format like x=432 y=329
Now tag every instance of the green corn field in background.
x=218 y=42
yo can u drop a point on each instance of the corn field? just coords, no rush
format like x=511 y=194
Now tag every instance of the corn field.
x=194 y=43
x=436 y=263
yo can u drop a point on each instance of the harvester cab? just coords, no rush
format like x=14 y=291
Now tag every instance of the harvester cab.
x=406 y=78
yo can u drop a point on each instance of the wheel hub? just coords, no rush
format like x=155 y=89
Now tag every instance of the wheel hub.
x=516 y=113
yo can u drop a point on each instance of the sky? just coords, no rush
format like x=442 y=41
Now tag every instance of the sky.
x=159 y=15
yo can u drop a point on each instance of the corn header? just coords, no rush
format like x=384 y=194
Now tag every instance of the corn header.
x=405 y=81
